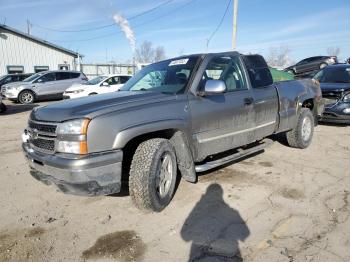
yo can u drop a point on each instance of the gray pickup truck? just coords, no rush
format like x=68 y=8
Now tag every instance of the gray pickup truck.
x=187 y=114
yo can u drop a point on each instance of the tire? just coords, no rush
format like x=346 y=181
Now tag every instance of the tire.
x=26 y=97
x=301 y=135
x=323 y=65
x=147 y=188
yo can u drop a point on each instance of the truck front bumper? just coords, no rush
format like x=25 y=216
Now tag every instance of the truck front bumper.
x=91 y=175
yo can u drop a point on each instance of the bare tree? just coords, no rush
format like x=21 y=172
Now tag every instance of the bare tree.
x=279 y=57
x=333 y=51
x=159 y=54
x=146 y=53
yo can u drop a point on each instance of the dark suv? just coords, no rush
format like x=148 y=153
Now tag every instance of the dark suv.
x=311 y=64
x=13 y=78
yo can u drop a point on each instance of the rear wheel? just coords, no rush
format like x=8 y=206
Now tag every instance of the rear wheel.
x=26 y=97
x=301 y=135
x=153 y=174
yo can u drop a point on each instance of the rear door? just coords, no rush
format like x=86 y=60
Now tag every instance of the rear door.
x=303 y=66
x=63 y=81
x=266 y=101
x=222 y=121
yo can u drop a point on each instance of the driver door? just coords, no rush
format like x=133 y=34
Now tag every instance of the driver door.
x=226 y=120
x=45 y=85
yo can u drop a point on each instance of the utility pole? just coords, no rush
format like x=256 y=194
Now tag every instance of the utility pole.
x=234 y=29
x=29 y=25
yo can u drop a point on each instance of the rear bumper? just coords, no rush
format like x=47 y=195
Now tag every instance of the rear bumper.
x=91 y=175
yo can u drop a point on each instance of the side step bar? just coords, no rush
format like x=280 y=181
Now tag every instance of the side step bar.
x=241 y=153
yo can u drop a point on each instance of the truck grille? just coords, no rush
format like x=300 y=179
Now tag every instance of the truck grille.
x=42 y=127
x=42 y=136
x=43 y=144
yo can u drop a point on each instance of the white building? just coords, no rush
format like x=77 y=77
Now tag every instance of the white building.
x=23 y=53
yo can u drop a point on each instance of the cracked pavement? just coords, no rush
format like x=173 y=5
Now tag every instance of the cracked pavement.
x=281 y=205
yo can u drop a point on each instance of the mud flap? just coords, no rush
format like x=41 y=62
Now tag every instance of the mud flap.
x=184 y=157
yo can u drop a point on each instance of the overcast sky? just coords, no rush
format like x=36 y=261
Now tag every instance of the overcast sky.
x=307 y=27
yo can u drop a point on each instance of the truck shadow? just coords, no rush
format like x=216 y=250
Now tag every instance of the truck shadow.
x=214 y=228
x=13 y=108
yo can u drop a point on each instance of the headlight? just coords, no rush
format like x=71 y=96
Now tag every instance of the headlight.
x=346 y=98
x=72 y=136
x=13 y=88
x=74 y=127
x=78 y=91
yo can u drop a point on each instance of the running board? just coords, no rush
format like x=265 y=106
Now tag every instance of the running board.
x=241 y=153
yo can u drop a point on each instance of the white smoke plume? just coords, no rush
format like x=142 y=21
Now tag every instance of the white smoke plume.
x=126 y=28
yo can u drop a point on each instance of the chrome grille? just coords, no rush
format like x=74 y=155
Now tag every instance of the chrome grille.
x=42 y=127
x=42 y=136
x=43 y=144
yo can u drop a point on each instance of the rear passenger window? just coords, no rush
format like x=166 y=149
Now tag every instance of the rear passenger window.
x=227 y=69
x=258 y=71
x=124 y=79
x=62 y=75
x=74 y=75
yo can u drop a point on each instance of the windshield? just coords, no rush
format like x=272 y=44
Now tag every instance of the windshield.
x=95 y=80
x=170 y=76
x=33 y=77
x=334 y=75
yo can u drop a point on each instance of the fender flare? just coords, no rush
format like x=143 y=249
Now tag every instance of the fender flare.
x=179 y=140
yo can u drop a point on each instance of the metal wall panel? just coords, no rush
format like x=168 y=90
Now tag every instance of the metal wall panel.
x=16 y=50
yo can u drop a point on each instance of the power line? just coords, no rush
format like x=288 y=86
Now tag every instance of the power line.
x=220 y=23
x=105 y=26
x=136 y=26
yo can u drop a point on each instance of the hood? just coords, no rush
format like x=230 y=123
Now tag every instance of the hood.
x=93 y=106
x=15 y=84
x=337 y=87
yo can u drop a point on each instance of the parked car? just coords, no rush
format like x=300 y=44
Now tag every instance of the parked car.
x=335 y=85
x=6 y=79
x=2 y=105
x=311 y=64
x=98 y=85
x=43 y=85
x=182 y=113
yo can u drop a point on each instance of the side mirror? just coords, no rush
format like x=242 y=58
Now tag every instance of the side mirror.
x=104 y=84
x=214 y=87
x=40 y=81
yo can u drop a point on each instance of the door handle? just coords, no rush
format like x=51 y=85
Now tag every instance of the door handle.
x=248 y=101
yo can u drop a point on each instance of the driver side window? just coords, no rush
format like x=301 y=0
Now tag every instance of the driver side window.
x=46 y=78
x=112 y=80
x=228 y=70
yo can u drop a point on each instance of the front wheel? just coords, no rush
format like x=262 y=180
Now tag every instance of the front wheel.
x=153 y=174
x=26 y=97
x=301 y=135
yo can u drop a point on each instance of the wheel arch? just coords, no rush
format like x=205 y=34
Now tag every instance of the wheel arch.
x=174 y=131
